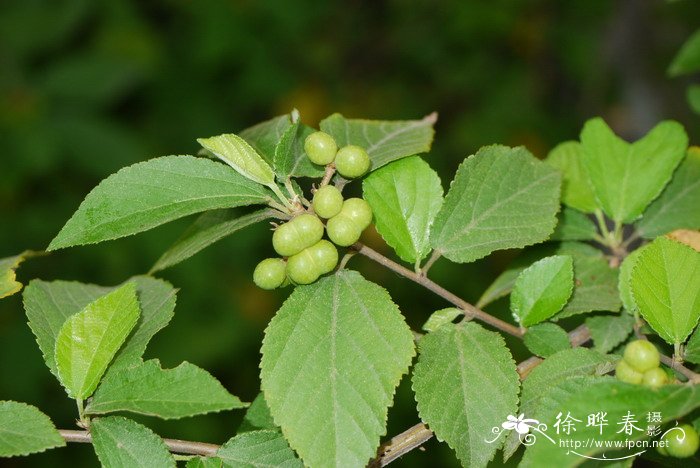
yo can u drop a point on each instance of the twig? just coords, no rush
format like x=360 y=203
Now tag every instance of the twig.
x=433 y=258
x=330 y=170
x=401 y=444
x=174 y=445
x=693 y=377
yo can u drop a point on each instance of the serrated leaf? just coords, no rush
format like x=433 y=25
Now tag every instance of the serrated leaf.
x=677 y=206
x=384 y=140
x=265 y=136
x=501 y=286
x=8 y=279
x=258 y=416
x=290 y=157
x=151 y=193
x=186 y=390
x=204 y=462
x=501 y=198
x=546 y=339
x=234 y=151
x=687 y=60
x=49 y=304
x=24 y=430
x=258 y=449
x=121 y=442
x=441 y=317
x=458 y=367
x=627 y=177
x=405 y=197
x=617 y=399
x=542 y=289
x=624 y=281
x=209 y=228
x=666 y=288
x=576 y=190
x=692 y=348
x=339 y=346
x=572 y=225
x=88 y=340
x=687 y=237
x=608 y=331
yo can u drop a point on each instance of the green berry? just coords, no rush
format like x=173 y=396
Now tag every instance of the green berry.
x=359 y=211
x=662 y=450
x=302 y=268
x=342 y=230
x=641 y=355
x=270 y=273
x=325 y=255
x=625 y=373
x=328 y=201
x=352 y=161
x=321 y=148
x=655 y=378
x=681 y=446
x=296 y=235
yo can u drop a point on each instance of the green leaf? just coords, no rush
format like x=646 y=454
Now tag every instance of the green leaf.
x=209 y=227
x=546 y=339
x=542 y=289
x=581 y=397
x=627 y=177
x=186 y=390
x=576 y=190
x=121 y=442
x=501 y=198
x=677 y=207
x=339 y=346
x=441 y=317
x=501 y=286
x=687 y=60
x=608 y=331
x=49 y=304
x=204 y=462
x=265 y=136
x=624 y=285
x=8 y=279
x=258 y=416
x=405 y=197
x=694 y=98
x=24 y=430
x=572 y=225
x=692 y=348
x=234 y=151
x=88 y=340
x=384 y=141
x=258 y=449
x=465 y=383
x=290 y=156
x=666 y=288
x=151 y=193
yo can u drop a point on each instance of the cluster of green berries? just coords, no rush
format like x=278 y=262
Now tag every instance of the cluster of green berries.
x=640 y=365
x=306 y=255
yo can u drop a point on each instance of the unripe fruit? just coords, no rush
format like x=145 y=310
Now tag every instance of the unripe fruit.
x=301 y=268
x=343 y=230
x=328 y=201
x=359 y=211
x=352 y=161
x=682 y=448
x=297 y=234
x=270 y=273
x=625 y=373
x=321 y=148
x=641 y=355
x=325 y=255
x=655 y=378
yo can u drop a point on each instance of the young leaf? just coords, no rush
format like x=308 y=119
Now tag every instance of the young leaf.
x=210 y=227
x=608 y=331
x=257 y=417
x=624 y=280
x=121 y=442
x=627 y=177
x=8 y=279
x=666 y=288
x=576 y=190
x=384 y=141
x=677 y=207
x=572 y=225
x=290 y=157
x=546 y=339
x=687 y=60
x=258 y=449
x=458 y=365
x=405 y=197
x=441 y=317
x=234 y=151
x=24 y=430
x=49 y=304
x=151 y=193
x=88 y=340
x=501 y=198
x=339 y=346
x=542 y=289
x=265 y=136
x=186 y=390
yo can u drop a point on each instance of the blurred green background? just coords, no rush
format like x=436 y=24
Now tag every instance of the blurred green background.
x=87 y=87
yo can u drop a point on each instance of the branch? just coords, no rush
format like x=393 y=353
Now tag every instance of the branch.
x=174 y=445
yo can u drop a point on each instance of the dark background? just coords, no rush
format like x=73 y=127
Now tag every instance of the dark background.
x=87 y=87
